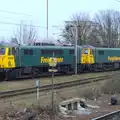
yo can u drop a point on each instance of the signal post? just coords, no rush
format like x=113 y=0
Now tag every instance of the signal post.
x=52 y=63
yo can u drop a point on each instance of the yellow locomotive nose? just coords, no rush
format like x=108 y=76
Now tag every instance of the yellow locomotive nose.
x=87 y=56
x=7 y=60
x=2 y=56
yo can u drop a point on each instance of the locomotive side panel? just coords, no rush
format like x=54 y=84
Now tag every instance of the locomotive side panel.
x=47 y=53
x=107 y=55
x=34 y=57
x=29 y=56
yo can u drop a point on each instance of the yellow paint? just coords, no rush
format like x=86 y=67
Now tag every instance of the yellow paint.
x=47 y=60
x=113 y=58
x=7 y=61
x=87 y=58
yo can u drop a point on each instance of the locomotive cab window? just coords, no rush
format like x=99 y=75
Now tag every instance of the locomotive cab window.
x=91 y=51
x=11 y=51
x=17 y=51
x=85 y=51
x=71 y=52
x=28 y=52
x=101 y=52
x=2 y=51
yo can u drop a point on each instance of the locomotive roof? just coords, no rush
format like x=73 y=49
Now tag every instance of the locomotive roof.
x=33 y=47
x=8 y=44
x=87 y=46
x=54 y=47
x=108 y=48
x=49 y=47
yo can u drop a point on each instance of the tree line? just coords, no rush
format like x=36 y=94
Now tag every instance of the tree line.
x=102 y=30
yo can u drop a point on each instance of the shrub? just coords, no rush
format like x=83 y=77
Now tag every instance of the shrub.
x=111 y=87
x=91 y=93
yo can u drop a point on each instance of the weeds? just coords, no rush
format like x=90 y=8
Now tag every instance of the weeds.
x=111 y=87
x=90 y=93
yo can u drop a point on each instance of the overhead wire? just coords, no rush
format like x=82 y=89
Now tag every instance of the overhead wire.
x=18 y=14
x=10 y=23
x=15 y=13
x=18 y=24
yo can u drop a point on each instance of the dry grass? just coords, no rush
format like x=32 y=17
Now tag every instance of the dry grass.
x=34 y=112
x=111 y=87
x=91 y=94
x=11 y=85
x=59 y=95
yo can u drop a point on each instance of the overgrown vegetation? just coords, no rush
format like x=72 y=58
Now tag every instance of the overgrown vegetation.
x=111 y=87
x=91 y=93
x=35 y=112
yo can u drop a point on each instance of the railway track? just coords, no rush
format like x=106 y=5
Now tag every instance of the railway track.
x=7 y=94
x=110 y=116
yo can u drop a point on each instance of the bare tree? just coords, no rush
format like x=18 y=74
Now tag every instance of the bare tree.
x=93 y=38
x=109 y=27
x=14 y=40
x=83 y=21
x=27 y=33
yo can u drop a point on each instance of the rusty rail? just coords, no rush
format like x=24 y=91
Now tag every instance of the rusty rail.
x=115 y=115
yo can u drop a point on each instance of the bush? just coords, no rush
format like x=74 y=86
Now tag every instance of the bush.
x=111 y=87
x=91 y=93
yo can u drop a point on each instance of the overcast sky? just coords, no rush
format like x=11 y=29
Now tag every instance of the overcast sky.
x=59 y=11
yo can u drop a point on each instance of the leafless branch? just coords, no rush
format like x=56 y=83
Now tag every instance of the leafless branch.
x=82 y=20
x=109 y=27
x=29 y=34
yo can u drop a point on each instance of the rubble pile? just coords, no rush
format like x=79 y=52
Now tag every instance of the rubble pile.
x=34 y=113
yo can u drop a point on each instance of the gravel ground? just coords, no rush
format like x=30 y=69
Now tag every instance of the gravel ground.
x=20 y=104
x=45 y=113
x=17 y=109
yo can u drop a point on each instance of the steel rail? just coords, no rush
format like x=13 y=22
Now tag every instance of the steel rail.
x=18 y=92
x=109 y=116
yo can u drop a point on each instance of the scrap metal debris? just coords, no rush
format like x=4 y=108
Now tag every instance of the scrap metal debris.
x=114 y=99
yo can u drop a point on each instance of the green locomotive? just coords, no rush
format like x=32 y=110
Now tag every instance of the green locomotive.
x=29 y=60
x=19 y=61
x=103 y=58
